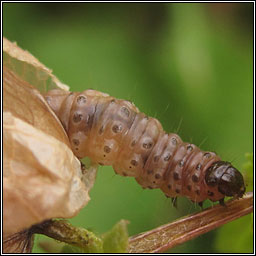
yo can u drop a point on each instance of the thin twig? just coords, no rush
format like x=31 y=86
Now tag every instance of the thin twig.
x=63 y=231
x=187 y=228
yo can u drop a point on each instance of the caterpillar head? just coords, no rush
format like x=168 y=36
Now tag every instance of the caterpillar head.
x=229 y=180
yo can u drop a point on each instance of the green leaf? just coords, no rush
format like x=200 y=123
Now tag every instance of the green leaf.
x=242 y=242
x=71 y=249
x=116 y=240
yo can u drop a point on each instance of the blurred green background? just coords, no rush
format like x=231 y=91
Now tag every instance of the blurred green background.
x=189 y=65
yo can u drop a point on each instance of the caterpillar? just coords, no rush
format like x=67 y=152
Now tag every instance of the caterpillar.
x=113 y=132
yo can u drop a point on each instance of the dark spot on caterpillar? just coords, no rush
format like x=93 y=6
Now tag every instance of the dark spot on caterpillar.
x=147 y=145
x=125 y=111
x=157 y=176
x=81 y=99
x=195 y=178
x=77 y=117
x=117 y=128
x=207 y=155
x=133 y=143
x=177 y=190
x=107 y=149
x=189 y=148
x=174 y=141
x=167 y=157
x=76 y=142
x=134 y=162
x=156 y=158
x=198 y=167
x=209 y=193
x=124 y=173
x=76 y=148
x=197 y=192
x=150 y=171
x=176 y=176
x=181 y=164
x=150 y=187
x=169 y=186
x=189 y=187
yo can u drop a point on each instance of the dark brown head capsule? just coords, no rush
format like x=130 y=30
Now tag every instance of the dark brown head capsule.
x=229 y=180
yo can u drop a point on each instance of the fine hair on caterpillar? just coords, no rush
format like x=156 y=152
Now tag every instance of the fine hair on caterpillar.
x=113 y=132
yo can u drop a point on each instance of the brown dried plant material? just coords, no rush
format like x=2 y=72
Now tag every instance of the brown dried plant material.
x=27 y=67
x=42 y=179
x=172 y=234
x=25 y=102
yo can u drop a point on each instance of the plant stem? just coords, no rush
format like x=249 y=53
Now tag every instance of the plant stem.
x=191 y=226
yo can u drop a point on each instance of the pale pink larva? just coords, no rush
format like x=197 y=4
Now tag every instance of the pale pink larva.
x=113 y=132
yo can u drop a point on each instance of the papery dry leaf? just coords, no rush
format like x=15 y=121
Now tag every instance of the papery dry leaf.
x=27 y=67
x=42 y=179
x=25 y=102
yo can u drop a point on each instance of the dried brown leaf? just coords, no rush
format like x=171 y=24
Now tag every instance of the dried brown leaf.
x=26 y=103
x=42 y=177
